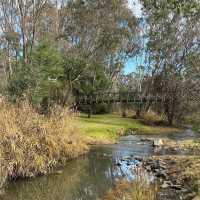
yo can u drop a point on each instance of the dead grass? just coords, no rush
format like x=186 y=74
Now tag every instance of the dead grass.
x=153 y=119
x=191 y=171
x=139 y=189
x=31 y=144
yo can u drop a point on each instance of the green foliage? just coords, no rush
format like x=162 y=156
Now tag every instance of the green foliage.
x=51 y=76
x=48 y=72
x=173 y=53
x=19 y=81
x=94 y=80
x=83 y=55
x=101 y=108
x=183 y=7
x=40 y=79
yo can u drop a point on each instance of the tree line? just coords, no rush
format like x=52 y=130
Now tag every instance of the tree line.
x=53 y=50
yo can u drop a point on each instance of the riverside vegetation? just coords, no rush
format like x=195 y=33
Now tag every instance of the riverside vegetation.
x=140 y=189
x=53 y=51
x=32 y=144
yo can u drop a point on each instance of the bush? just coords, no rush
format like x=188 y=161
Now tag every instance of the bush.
x=151 y=118
x=101 y=108
x=31 y=144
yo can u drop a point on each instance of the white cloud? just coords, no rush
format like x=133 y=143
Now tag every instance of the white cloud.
x=136 y=7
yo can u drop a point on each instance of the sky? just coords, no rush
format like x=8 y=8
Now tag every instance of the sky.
x=136 y=7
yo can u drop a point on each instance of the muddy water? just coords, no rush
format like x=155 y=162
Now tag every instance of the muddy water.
x=87 y=177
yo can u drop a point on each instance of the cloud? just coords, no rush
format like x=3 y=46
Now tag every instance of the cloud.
x=136 y=7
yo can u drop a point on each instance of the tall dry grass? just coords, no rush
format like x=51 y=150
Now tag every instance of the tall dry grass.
x=151 y=118
x=31 y=144
x=140 y=189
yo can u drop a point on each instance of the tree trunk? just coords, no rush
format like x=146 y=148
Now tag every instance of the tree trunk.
x=90 y=111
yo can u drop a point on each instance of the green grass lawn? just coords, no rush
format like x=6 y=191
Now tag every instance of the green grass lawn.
x=108 y=127
x=194 y=120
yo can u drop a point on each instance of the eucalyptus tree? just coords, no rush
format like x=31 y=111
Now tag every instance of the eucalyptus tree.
x=93 y=40
x=103 y=33
x=18 y=24
x=173 y=38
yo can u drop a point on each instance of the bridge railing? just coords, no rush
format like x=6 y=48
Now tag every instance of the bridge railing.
x=126 y=97
x=116 y=97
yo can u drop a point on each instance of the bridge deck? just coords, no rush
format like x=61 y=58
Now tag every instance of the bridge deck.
x=110 y=98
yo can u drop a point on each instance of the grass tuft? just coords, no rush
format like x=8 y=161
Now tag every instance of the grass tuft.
x=139 y=189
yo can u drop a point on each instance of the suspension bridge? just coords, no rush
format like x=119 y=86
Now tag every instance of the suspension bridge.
x=128 y=97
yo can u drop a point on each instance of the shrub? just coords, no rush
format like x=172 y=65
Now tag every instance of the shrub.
x=151 y=118
x=31 y=144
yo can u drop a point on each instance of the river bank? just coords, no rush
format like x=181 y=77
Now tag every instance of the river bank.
x=178 y=176
x=95 y=174
x=107 y=128
x=32 y=144
x=88 y=177
x=174 y=165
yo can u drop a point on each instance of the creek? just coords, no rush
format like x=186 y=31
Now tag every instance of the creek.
x=90 y=176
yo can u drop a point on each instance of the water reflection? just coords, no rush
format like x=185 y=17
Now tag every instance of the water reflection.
x=86 y=178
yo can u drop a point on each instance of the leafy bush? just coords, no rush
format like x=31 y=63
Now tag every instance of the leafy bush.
x=101 y=108
x=40 y=80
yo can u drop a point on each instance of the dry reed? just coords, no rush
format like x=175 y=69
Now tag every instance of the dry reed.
x=140 y=189
x=32 y=144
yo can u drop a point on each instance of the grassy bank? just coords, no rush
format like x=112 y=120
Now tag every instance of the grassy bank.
x=110 y=127
x=32 y=144
x=194 y=121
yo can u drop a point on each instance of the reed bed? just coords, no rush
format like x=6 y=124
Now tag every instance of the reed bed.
x=32 y=144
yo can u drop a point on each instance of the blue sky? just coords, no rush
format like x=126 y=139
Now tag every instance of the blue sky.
x=130 y=66
x=132 y=63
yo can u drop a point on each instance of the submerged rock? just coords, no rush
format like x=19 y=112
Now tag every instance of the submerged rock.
x=145 y=140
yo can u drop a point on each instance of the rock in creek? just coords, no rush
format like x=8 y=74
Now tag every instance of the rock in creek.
x=166 y=184
x=157 y=142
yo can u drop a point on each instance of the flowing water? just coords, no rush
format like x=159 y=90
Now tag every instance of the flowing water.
x=88 y=177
